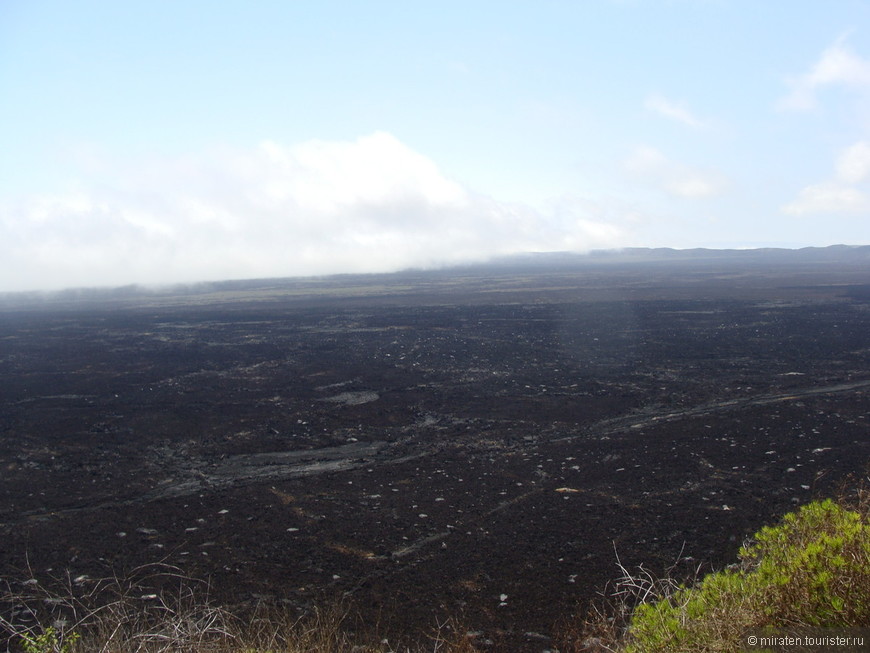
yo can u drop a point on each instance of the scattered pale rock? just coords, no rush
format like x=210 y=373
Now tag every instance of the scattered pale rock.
x=353 y=398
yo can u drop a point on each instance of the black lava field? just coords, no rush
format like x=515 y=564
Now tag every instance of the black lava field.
x=478 y=443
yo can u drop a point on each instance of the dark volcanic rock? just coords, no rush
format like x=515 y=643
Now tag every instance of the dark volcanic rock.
x=480 y=444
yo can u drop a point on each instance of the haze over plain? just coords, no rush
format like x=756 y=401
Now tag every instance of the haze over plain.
x=171 y=142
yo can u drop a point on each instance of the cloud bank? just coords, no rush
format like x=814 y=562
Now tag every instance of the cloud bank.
x=320 y=207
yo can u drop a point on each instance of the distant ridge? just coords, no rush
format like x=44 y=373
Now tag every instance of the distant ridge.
x=846 y=254
x=682 y=260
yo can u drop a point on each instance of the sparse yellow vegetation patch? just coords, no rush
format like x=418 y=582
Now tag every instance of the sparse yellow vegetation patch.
x=350 y=550
x=283 y=497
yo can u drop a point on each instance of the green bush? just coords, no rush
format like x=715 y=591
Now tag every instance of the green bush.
x=810 y=570
x=49 y=641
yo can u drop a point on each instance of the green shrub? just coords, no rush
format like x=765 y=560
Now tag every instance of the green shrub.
x=49 y=641
x=810 y=570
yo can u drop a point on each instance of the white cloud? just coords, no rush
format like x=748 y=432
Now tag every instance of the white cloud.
x=853 y=166
x=843 y=193
x=651 y=166
x=316 y=208
x=829 y=197
x=837 y=66
x=672 y=111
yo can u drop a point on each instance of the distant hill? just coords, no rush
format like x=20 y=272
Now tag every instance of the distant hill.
x=628 y=259
x=844 y=254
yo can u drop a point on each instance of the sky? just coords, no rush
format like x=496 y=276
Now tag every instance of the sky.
x=175 y=141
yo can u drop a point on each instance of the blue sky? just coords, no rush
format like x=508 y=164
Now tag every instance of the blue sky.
x=155 y=142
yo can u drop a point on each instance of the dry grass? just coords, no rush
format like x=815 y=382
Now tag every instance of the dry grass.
x=600 y=626
x=78 y=615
